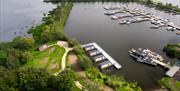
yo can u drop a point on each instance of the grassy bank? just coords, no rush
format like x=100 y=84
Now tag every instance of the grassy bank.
x=172 y=50
x=170 y=84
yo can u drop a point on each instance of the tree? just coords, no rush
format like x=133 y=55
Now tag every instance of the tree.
x=58 y=35
x=45 y=36
x=32 y=78
x=150 y=2
x=23 y=43
x=3 y=57
x=72 y=42
x=15 y=58
x=25 y=57
x=172 y=50
x=64 y=81
x=12 y=62
x=8 y=80
x=160 y=5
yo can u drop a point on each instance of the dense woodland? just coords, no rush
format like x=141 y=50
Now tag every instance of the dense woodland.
x=172 y=50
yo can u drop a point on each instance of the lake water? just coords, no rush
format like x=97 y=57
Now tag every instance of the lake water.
x=87 y=23
x=16 y=16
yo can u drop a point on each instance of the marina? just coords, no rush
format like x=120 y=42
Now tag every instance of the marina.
x=152 y=58
x=137 y=15
x=98 y=54
x=117 y=39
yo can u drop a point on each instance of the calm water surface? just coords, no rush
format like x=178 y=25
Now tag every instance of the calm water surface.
x=16 y=16
x=87 y=23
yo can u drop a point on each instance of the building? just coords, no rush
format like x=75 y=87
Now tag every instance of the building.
x=63 y=44
x=42 y=47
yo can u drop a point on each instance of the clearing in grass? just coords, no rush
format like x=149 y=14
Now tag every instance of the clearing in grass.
x=50 y=58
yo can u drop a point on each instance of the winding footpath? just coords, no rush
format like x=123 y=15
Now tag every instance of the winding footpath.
x=63 y=61
x=64 y=58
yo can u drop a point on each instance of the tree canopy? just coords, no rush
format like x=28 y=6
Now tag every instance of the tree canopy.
x=32 y=78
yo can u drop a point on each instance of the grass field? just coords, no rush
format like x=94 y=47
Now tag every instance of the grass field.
x=49 y=59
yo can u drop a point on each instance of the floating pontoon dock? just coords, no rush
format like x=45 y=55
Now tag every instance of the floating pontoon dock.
x=108 y=57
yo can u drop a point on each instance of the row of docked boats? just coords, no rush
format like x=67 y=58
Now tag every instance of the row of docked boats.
x=99 y=56
x=145 y=56
x=138 y=15
x=111 y=7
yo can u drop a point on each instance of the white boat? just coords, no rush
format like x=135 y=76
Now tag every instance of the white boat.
x=169 y=28
x=122 y=22
x=178 y=33
x=155 y=27
x=114 y=17
x=111 y=7
x=128 y=22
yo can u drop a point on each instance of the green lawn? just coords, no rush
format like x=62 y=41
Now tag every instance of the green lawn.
x=49 y=59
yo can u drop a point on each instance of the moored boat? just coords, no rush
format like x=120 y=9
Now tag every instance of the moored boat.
x=145 y=56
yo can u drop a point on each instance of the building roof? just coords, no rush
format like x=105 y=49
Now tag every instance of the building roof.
x=62 y=43
x=42 y=47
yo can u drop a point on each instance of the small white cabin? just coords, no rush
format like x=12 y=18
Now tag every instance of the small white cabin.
x=42 y=47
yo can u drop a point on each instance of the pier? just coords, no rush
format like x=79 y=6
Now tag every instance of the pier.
x=162 y=64
x=178 y=28
x=174 y=71
x=107 y=56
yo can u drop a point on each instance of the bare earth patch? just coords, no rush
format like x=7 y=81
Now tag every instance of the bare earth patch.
x=44 y=61
x=105 y=88
x=161 y=90
x=51 y=49
x=72 y=59
x=54 y=65
x=73 y=62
